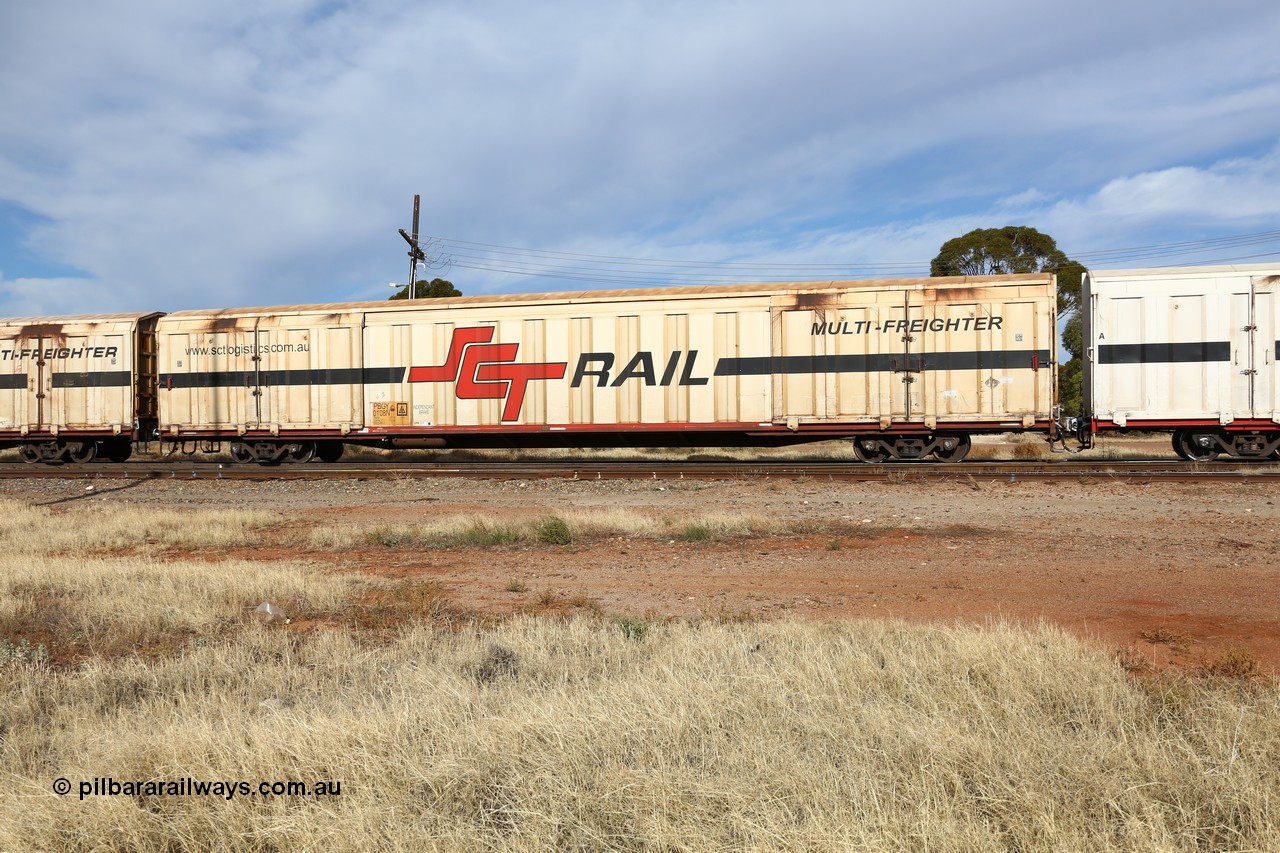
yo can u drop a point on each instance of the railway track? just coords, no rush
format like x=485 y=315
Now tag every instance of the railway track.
x=1064 y=470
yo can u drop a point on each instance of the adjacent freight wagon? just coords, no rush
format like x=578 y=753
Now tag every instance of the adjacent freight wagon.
x=74 y=387
x=905 y=368
x=1192 y=351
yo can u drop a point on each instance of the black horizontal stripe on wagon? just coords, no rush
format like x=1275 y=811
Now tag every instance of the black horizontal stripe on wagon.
x=95 y=379
x=884 y=362
x=281 y=378
x=91 y=379
x=1166 y=353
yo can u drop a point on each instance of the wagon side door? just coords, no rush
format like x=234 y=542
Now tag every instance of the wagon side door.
x=15 y=392
x=850 y=356
x=207 y=375
x=902 y=344
x=1265 y=347
x=90 y=378
x=22 y=390
x=801 y=357
x=1253 y=349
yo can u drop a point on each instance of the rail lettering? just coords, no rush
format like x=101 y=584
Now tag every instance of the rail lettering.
x=484 y=370
x=599 y=365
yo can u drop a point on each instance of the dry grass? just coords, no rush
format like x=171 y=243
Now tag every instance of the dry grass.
x=1018 y=446
x=73 y=529
x=591 y=732
x=575 y=526
x=589 y=526
x=108 y=606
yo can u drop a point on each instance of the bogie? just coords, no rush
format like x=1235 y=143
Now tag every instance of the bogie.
x=883 y=448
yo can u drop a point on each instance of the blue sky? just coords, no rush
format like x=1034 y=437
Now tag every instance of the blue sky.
x=158 y=156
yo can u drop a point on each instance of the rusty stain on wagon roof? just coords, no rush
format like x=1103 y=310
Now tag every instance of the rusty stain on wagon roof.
x=76 y=319
x=337 y=309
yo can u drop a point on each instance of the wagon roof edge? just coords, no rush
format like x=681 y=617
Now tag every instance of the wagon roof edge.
x=631 y=294
x=1193 y=271
x=78 y=318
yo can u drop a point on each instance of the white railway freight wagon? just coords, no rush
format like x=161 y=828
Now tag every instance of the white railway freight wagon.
x=72 y=387
x=906 y=368
x=1190 y=350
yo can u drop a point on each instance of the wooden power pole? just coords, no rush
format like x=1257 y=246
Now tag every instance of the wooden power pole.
x=415 y=252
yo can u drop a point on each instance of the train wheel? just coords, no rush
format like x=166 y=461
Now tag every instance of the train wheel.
x=870 y=450
x=82 y=452
x=1197 y=446
x=303 y=451
x=956 y=452
x=29 y=453
x=329 y=451
x=240 y=452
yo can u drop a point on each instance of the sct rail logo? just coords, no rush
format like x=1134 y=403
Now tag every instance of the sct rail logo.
x=487 y=371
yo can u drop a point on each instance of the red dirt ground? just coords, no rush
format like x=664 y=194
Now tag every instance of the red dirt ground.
x=1172 y=574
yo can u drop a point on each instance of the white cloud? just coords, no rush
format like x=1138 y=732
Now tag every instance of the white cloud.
x=189 y=155
x=1236 y=195
x=42 y=297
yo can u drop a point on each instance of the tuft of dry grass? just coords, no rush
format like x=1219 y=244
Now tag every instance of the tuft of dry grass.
x=1234 y=662
x=1165 y=636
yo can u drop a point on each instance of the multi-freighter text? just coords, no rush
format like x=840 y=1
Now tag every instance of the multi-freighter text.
x=49 y=353
x=909 y=327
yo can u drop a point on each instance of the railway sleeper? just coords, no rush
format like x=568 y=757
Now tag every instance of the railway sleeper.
x=945 y=447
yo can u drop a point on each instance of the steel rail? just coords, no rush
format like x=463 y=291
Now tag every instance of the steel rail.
x=1078 y=469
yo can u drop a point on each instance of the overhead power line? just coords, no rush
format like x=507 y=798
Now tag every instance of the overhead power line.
x=1191 y=247
x=636 y=271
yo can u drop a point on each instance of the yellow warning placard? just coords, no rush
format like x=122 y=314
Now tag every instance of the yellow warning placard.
x=390 y=414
